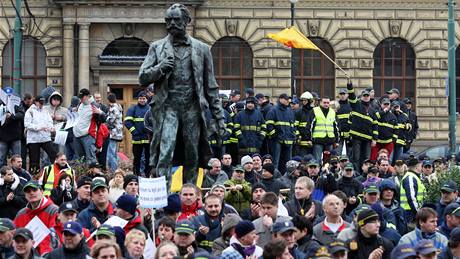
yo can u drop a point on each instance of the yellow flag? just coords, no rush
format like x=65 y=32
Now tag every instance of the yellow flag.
x=293 y=38
x=176 y=179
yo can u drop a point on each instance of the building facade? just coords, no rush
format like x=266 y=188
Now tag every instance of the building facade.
x=99 y=45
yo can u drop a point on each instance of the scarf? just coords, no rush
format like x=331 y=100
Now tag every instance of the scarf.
x=244 y=251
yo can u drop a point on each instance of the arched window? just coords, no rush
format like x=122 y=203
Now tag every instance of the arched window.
x=232 y=63
x=125 y=51
x=394 y=67
x=313 y=72
x=33 y=65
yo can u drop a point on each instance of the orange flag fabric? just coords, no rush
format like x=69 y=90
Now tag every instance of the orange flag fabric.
x=293 y=38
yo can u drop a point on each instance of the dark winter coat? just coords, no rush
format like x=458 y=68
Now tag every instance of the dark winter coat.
x=11 y=208
x=80 y=252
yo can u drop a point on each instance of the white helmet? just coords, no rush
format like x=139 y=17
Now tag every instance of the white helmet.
x=306 y=96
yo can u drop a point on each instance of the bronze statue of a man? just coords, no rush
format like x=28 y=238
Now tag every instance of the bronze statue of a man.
x=181 y=68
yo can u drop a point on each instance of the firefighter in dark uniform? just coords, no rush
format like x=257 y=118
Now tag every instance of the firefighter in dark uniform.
x=343 y=113
x=412 y=134
x=403 y=126
x=387 y=124
x=250 y=128
x=302 y=117
x=363 y=126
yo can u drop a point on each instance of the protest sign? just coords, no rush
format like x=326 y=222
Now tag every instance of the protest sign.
x=152 y=192
x=38 y=229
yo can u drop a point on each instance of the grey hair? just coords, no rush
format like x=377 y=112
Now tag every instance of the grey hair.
x=184 y=10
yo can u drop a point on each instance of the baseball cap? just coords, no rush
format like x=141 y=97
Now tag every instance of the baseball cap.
x=342 y=91
x=394 y=90
x=452 y=209
x=337 y=246
x=427 y=162
x=185 y=227
x=94 y=165
x=365 y=92
x=31 y=184
x=407 y=100
x=348 y=166
x=251 y=100
x=6 y=224
x=97 y=184
x=73 y=227
x=25 y=233
x=320 y=253
x=385 y=101
x=105 y=229
x=313 y=162
x=395 y=103
x=371 y=189
x=83 y=92
x=238 y=168
x=259 y=96
x=283 y=96
x=39 y=98
x=403 y=251
x=449 y=186
x=283 y=226
x=67 y=206
x=455 y=235
x=425 y=247
x=343 y=158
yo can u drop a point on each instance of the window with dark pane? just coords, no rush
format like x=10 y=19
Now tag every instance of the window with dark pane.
x=394 y=67
x=232 y=57
x=33 y=69
x=313 y=72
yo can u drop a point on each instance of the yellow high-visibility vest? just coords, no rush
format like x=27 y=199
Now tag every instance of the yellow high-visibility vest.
x=324 y=126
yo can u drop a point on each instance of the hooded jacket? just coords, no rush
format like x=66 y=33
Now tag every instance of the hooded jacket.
x=84 y=217
x=17 y=203
x=115 y=121
x=35 y=120
x=58 y=110
x=47 y=213
x=11 y=130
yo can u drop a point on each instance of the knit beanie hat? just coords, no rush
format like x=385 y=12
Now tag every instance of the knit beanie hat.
x=129 y=178
x=259 y=185
x=367 y=216
x=174 y=204
x=127 y=203
x=230 y=221
x=243 y=228
x=269 y=167
x=215 y=186
x=84 y=180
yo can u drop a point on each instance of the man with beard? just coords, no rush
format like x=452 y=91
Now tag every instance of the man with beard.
x=50 y=175
x=16 y=165
x=368 y=243
x=328 y=230
x=181 y=69
x=303 y=203
x=209 y=225
x=74 y=246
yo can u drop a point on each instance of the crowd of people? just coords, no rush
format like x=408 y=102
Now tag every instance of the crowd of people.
x=306 y=177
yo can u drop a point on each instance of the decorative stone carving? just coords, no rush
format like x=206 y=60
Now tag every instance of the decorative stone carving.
x=54 y=81
x=313 y=27
x=365 y=63
x=128 y=29
x=284 y=63
x=260 y=63
x=395 y=28
x=423 y=64
x=444 y=64
x=343 y=63
x=53 y=61
x=231 y=26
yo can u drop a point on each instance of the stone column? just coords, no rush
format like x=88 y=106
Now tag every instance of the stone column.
x=68 y=63
x=83 y=56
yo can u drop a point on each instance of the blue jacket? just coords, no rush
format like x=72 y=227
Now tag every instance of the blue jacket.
x=281 y=124
x=250 y=128
x=413 y=237
x=215 y=229
x=84 y=217
x=134 y=122
x=297 y=254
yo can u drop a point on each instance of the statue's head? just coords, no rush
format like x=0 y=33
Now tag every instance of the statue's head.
x=177 y=18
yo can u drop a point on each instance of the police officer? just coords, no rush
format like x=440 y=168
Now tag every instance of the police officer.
x=343 y=114
x=403 y=126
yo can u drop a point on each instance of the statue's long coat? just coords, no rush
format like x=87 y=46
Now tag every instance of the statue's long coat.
x=205 y=86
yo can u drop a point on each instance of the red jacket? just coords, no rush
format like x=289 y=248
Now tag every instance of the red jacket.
x=47 y=213
x=189 y=212
x=59 y=228
x=133 y=223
